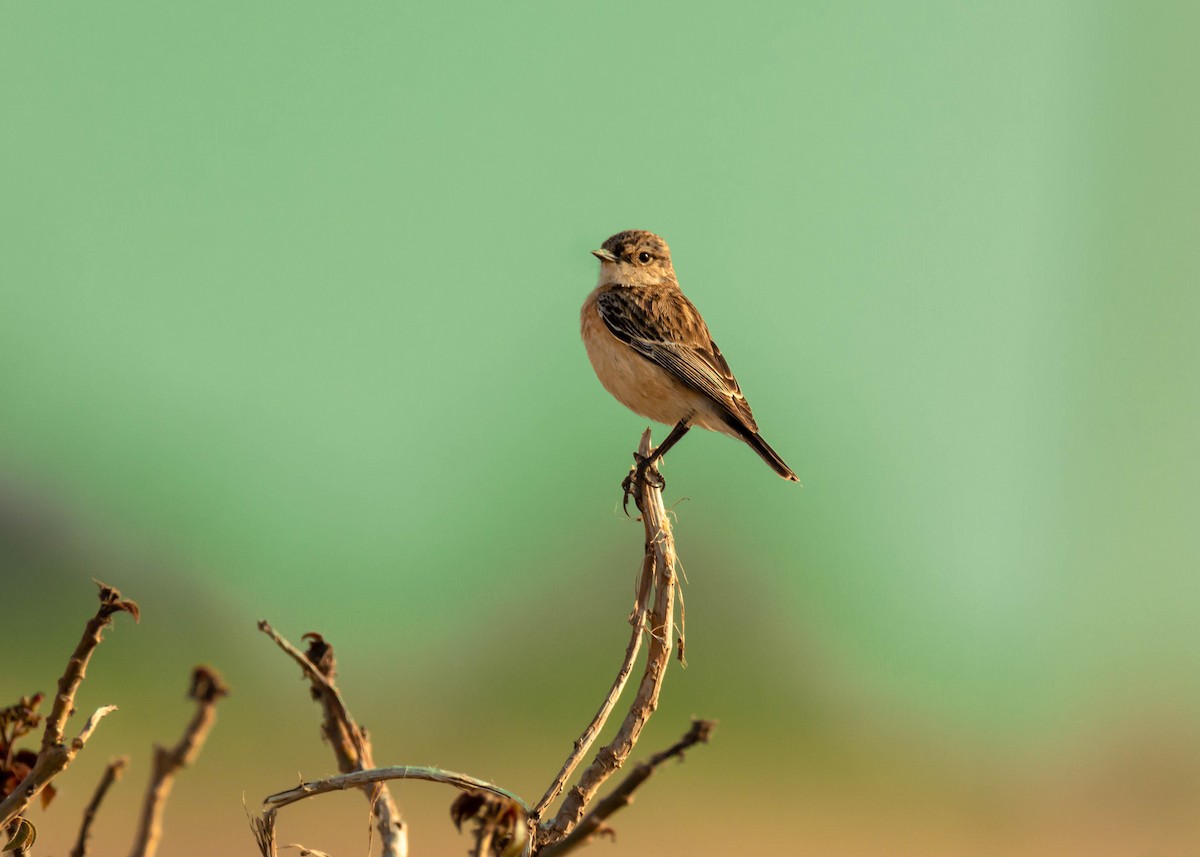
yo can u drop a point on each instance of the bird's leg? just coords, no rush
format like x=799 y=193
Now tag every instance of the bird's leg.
x=645 y=465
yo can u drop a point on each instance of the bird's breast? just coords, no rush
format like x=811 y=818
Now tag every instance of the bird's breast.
x=635 y=381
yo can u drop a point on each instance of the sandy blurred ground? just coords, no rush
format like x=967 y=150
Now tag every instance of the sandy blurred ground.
x=1137 y=801
x=814 y=763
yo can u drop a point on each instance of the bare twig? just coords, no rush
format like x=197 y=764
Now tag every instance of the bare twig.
x=55 y=756
x=660 y=552
x=112 y=773
x=64 y=701
x=264 y=827
x=622 y=795
x=207 y=688
x=350 y=742
x=358 y=779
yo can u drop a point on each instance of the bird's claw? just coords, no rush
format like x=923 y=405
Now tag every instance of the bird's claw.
x=627 y=487
x=643 y=472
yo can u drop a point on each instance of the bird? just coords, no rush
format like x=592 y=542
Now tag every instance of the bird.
x=652 y=351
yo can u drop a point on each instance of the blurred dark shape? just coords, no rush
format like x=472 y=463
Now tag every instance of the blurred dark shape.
x=320 y=655
x=33 y=528
x=111 y=602
x=207 y=685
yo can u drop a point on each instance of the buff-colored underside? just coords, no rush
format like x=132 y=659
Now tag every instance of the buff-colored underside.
x=640 y=384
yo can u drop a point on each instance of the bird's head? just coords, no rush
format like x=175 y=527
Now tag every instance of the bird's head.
x=635 y=258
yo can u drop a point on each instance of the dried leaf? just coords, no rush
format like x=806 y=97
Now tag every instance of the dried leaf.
x=464 y=807
x=320 y=654
x=520 y=838
x=111 y=602
x=500 y=823
x=22 y=763
x=18 y=720
x=23 y=838
x=263 y=828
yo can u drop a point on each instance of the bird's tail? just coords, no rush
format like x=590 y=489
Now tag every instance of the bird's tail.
x=770 y=456
x=764 y=450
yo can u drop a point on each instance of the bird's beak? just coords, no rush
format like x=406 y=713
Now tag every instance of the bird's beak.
x=604 y=255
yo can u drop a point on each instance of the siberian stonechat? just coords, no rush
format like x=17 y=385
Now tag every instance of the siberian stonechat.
x=652 y=350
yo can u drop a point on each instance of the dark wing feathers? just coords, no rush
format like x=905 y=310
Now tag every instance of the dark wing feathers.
x=665 y=328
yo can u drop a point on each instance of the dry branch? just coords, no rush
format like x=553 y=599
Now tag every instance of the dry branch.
x=505 y=825
x=50 y=763
x=378 y=775
x=660 y=557
x=350 y=742
x=622 y=795
x=64 y=701
x=55 y=756
x=112 y=773
x=207 y=689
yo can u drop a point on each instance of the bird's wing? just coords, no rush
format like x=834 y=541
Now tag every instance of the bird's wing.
x=666 y=328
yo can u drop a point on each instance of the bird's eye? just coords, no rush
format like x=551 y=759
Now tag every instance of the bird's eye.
x=643 y=257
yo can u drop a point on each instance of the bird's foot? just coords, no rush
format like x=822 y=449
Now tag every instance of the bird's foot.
x=643 y=472
x=647 y=471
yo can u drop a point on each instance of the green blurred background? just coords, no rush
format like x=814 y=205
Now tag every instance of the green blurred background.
x=289 y=329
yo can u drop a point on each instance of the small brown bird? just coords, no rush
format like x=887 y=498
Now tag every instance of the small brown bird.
x=652 y=350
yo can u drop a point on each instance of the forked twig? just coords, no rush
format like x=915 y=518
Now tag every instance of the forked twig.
x=660 y=555
x=55 y=756
x=622 y=795
x=111 y=604
x=504 y=823
x=350 y=742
